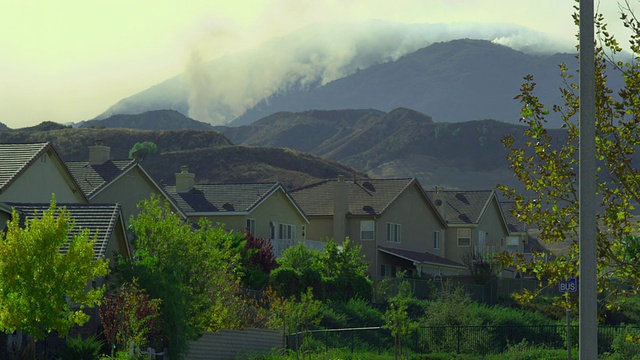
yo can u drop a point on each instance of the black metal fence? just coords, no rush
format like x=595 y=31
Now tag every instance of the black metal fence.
x=479 y=340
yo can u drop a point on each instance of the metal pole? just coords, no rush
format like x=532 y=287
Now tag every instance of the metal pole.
x=568 y=328
x=587 y=188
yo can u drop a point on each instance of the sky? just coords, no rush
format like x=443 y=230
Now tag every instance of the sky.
x=70 y=60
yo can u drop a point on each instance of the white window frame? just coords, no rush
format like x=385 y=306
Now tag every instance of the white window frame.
x=364 y=229
x=464 y=234
x=437 y=235
x=287 y=231
x=251 y=226
x=394 y=233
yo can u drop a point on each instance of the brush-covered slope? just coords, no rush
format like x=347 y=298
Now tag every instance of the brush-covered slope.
x=210 y=155
x=149 y=120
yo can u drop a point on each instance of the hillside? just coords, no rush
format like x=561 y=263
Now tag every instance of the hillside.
x=210 y=155
x=451 y=81
x=150 y=120
x=400 y=143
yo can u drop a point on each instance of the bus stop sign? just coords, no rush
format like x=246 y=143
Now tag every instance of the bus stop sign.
x=568 y=286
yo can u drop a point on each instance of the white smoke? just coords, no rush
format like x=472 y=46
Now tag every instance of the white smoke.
x=223 y=89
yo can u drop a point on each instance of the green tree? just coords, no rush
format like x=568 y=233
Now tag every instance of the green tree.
x=196 y=273
x=42 y=288
x=397 y=319
x=140 y=150
x=547 y=166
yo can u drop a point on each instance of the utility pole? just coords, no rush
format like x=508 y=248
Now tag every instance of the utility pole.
x=588 y=287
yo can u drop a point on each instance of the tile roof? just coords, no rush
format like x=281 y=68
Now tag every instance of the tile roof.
x=462 y=207
x=222 y=198
x=366 y=196
x=100 y=219
x=16 y=158
x=93 y=177
x=513 y=224
x=425 y=257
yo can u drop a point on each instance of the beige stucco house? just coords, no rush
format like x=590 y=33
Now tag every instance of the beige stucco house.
x=392 y=219
x=116 y=181
x=32 y=172
x=264 y=209
x=476 y=228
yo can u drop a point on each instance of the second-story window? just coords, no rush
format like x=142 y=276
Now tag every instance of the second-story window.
x=287 y=231
x=367 y=229
x=394 y=232
x=464 y=237
x=436 y=239
x=251 y=226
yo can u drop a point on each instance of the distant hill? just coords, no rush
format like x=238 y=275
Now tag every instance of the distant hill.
x=451 y=81
x=400 y=143
x=3 y=126
x=210 y=155
x=150 y=120
x=454 y=81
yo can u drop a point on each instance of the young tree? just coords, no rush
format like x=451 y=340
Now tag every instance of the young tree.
x=42 y=288
x=196 y=273
x=397 y=320
x=547 y=166
x=130 y=315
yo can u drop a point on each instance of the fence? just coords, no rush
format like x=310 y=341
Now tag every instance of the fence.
x=477 y=340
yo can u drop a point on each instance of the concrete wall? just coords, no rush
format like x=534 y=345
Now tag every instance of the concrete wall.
x=235 y=344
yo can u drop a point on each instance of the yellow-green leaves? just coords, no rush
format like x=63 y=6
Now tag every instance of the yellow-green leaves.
x=41 y=288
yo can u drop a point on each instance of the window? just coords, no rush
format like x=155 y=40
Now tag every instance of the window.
x=272 y=230
x=287 y=231
x=394 y=232
x=251 y=226
x=513 y=245
x=383 y=270
x=436 y=239
x=464 y=237
x=367 y=230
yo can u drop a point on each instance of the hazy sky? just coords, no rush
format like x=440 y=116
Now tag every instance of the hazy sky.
x=69 y=60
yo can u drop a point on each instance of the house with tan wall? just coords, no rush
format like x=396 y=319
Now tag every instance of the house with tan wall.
x=264 y=209
x=476 y=227
x=395 y=223
x=33 y=172
x=124 y=181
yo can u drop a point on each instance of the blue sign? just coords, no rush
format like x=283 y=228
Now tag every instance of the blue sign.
x=568 y=286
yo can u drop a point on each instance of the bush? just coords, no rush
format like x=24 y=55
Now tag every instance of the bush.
x=625 y=345
x=82 y=349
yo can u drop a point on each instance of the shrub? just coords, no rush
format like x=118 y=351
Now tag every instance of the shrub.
x=82 y=349
x=625 y=345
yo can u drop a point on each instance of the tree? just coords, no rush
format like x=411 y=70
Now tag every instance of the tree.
x=130 y=315
x=42 y=288
x=397 y=320
x=140 y=150
x=547 y=166
x=196 y=273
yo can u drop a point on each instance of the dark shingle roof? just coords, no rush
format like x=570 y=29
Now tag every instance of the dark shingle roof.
x=425 y=257
x=222 y=198
x=93 y=177
x=513 y=224
x=462 y=207
x=16 y=158
x=100 y=219
x=366 y=196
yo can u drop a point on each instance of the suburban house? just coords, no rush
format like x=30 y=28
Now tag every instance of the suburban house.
x=393 y=220
x=32 y=172
x=264 y=209
x=116 y=181
x=104 y=221
x=476 y=228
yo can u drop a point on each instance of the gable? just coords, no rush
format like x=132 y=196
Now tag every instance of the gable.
x=33 y=172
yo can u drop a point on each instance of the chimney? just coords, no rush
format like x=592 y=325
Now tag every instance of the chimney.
x=99 y=153
x=340 y=209
x=184 y=180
